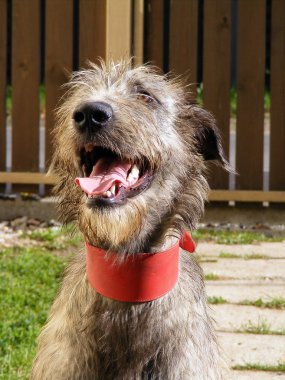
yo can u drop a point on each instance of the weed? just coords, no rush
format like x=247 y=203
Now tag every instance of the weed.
x=262 y=327
x=254 y=256
x=234 y=237
x=260 y=367
x=216 y=300
x=211 y=276
x=250 y=256
x=274 y=303
x=228 y=255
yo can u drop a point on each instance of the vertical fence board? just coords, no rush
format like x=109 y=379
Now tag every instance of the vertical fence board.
x=58 y=59
x=3 y=72
x=154 y=39
x=118 y=29
x=277 y=135
x=216 y=73
x=250 y=93
x=183 y=38
x=25 y=81
x=92 y=30
x=138 y=31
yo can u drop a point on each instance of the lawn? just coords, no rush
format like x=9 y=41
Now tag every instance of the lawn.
x=29 y=278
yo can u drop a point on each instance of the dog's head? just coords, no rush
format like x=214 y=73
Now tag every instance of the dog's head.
x=130 y=150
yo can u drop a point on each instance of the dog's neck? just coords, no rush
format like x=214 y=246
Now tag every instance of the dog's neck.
x=141 y=277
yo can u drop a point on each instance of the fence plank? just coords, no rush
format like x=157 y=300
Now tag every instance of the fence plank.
x=247 y=196
x=277 y=134
x=28 y=178
x=58 y=59
x=138 y=32
x=25 y=81
x=216 y=73
x=3 y=72
x=154 y=39
x=118 y=29
x=183 y=38
x=250 y=93
x=92 y=39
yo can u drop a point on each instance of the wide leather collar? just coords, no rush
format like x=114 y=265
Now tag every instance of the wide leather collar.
x=140 y=277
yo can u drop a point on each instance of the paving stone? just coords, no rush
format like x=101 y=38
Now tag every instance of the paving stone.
x=243 y=269
x=256 y=375
x=241 y=349
x=234 y=317
x=268 y=249
x=239 y=290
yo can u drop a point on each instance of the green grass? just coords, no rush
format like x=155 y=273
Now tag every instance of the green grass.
x=260 y=367
x=261 y=327
x=254 y=256
x=228 y=255
x=234 y=237
x=250 y=256
x=29 y=279
x=56 y=238
x=274 y=303
x=211 y=276
x=216 y=300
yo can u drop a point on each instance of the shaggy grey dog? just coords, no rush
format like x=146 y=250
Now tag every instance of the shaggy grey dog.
x=146 y=124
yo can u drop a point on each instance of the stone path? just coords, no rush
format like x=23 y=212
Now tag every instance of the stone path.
x=248 y=335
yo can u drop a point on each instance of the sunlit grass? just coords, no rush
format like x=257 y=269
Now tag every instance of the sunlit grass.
x=233 y=237
x=29 y=279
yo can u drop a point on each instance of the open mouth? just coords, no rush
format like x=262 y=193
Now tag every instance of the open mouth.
x=109 y=179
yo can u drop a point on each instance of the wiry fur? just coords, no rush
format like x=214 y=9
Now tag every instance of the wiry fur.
x=88 y=336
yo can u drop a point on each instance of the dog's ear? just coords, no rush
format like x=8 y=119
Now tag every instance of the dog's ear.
x=208 y=137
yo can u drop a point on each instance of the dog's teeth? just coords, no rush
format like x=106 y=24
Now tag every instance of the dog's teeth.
x=107 y=194
x=113 y=189
x=134 y=173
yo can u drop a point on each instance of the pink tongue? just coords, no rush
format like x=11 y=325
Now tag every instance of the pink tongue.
x=104 y=175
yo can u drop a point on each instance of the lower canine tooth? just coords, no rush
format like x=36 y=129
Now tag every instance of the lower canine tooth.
x=113 y=189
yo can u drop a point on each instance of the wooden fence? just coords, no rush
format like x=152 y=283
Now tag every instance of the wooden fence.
x=191 y=36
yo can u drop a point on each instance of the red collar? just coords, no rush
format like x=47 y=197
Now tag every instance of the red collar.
x=140 y=278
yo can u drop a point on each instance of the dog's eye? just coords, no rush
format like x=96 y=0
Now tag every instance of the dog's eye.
x=145 y=96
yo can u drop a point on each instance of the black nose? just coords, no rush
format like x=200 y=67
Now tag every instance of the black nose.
x=92 y=114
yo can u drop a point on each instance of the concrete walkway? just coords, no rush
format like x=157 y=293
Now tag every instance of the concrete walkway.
x=248 y=335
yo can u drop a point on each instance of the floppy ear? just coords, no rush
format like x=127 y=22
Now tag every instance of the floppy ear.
x=208 y=137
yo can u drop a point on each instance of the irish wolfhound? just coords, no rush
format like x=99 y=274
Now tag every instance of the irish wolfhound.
x=130 y=154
